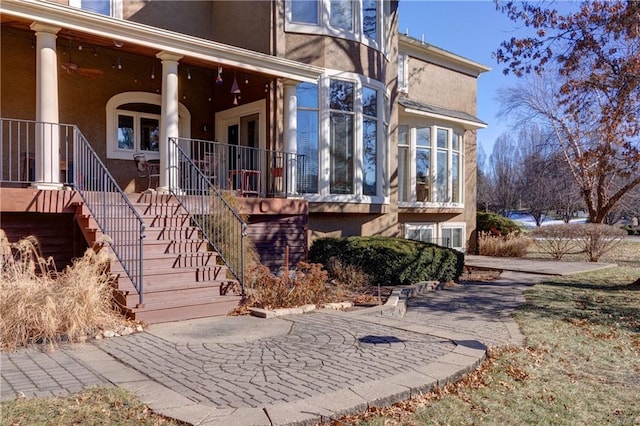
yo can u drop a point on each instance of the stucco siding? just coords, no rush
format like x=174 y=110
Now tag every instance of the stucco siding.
x=188 y=17
x=437 y=85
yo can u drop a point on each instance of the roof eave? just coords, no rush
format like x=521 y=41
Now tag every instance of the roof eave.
x=468 y=124
x=442 y=54
x=159 y=39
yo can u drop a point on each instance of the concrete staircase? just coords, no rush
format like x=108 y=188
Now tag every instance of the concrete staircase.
x=183 y=278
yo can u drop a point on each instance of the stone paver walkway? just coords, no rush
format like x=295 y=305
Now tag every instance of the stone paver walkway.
x=289 y=370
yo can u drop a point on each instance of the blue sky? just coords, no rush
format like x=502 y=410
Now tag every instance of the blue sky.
x=474 y=30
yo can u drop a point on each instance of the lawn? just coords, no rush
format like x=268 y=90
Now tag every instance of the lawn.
x=626 y=253
x=96 y=406
x=580 y=365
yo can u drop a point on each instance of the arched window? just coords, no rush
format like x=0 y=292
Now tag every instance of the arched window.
x=133 y=124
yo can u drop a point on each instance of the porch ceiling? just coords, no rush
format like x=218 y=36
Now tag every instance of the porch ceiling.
x=145 y=40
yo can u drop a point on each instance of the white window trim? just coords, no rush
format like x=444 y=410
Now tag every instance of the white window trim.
x=112 y=108
x=324 y=154
x=455 y=225
x=116 y=7
x=452 y=130
x=437 y=228
x=232 y=116
x=324 y=27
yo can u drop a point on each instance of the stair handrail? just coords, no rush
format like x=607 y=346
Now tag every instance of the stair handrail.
x=112 y=210
x=218 y=221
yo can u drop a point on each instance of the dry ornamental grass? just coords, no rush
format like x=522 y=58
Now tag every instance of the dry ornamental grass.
x=41 y=305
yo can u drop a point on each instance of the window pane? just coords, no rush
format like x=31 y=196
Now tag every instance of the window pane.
x=456 y=237
x=341 y=152
x=403 y=173
x=308 y=149
x=305 y=11
x=423 y=136
x=370 y=18
x=341 y=93
x=307 y=94
x=452 y=237
x=420 y=233
x=149 y=134
x=369 y=170
x=442 y=178
x=342 y=14
x=443 y=138
x=455 y=142
x=455 y=177
x=426 y=235
x=423 y=174
x=125 y=132
x=369 y=102
x=403 y=134
x=102 y=7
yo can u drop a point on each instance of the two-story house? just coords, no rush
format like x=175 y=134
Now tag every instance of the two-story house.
x=315 y=114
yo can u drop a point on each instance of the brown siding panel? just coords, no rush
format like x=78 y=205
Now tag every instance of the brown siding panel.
x=271 y=234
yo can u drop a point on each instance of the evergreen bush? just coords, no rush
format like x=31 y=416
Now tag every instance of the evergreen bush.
x=389 y=260
x=495 y=224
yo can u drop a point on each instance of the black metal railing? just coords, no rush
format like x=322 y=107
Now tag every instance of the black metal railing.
x=30 y=149
x=112 y=210
x=211 y=209
x=246 y=170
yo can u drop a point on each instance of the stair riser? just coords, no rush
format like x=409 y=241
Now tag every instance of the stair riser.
x=171 y=234
x=175 y=298
x=198 y=275
x=220 y=308
x=161 y=260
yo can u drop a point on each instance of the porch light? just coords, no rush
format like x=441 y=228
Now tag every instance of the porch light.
x=219 y=77
x=235 y=90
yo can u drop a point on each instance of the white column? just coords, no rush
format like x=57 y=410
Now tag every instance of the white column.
x=47 y=137
x=291 y=133
x=169 y=121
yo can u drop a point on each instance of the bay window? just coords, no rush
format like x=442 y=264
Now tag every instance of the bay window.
x=342 y=123
x=360 y=20
x=430 y=165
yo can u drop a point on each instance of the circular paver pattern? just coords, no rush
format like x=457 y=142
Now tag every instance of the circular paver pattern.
x=322 y=353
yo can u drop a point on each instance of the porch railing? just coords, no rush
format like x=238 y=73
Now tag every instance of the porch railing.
x=112 y=210
x=211 y=211
x=246 y=170
x=28 y=155
x=24 y=160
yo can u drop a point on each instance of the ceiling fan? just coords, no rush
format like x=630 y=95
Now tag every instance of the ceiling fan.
x=72 y=68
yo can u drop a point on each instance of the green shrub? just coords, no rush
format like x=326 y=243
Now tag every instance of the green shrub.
x=389 y=260
x=495 y=224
